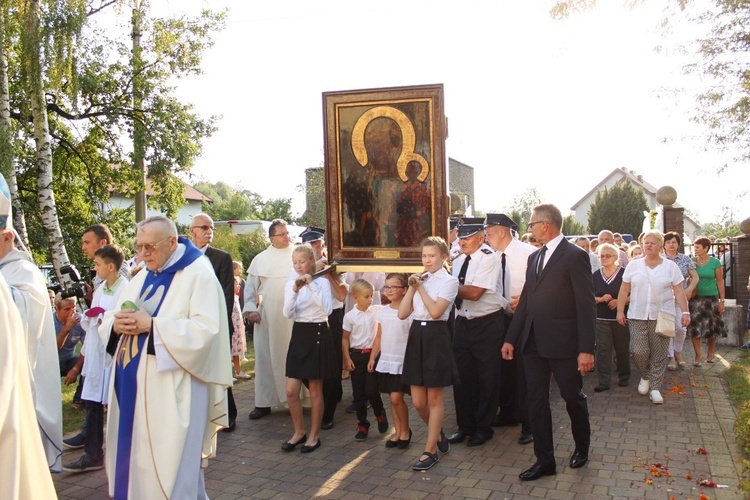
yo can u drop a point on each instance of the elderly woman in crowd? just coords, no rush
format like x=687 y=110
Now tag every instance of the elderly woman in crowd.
x=609 y=333
x=672 y=245
x=707 y=307
x=653 y=284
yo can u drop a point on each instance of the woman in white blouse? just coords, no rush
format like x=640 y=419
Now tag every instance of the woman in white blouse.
x=653 y=283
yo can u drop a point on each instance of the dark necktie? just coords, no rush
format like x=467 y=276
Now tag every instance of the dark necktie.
x=502 y=270
x=540 y=262
x=462 y=278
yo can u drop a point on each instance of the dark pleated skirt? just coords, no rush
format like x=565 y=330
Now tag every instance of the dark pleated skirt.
x=389 y=382
x=311 y=354
x=428 y=361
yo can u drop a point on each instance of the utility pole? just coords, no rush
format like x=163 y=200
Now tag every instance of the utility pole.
x=138 y=127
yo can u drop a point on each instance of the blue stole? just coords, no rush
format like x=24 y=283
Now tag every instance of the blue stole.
x=128 y=357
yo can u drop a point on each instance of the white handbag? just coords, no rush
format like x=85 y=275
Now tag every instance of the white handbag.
x=664 y=321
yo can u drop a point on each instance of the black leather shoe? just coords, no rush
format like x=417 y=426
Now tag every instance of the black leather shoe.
x=310 y=449
x=478 y=439
x=391 y=444
x=327 y=426
x=230 y=428
x=536 y=471
x=259 y=413
x=525 y=438
x=578 y=459
x=290 y=446
x=601 y=388
x=432 y=459
x=403 y=443
x=458 y=437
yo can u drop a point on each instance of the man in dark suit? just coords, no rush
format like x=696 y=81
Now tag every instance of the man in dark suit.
x=554 y=328
x=202 y=233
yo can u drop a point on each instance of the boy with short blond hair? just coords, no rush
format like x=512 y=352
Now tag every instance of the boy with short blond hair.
x=360 y=328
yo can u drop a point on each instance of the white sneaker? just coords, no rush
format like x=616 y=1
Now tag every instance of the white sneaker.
x=643 y=386
x=656 y=397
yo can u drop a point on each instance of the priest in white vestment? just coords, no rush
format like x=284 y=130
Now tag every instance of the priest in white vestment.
x=264 y=302
x=23 y=465
x=168 y=386
x=29 y=293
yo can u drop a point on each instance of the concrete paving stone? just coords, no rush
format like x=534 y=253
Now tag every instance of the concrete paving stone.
x=624 y=440
x=407 y=494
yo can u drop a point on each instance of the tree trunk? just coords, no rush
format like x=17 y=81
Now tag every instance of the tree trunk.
x=45 y=190
x=6 y=139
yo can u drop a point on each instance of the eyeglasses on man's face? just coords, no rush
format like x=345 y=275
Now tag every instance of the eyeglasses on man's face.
x=534 y=223
x=205 y=227
x=391 y=288
x=148 y=247
x=280 y=234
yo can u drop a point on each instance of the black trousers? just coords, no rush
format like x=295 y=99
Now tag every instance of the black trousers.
x=332 y=390
x=365 y=387
x=512 y=405
x=570 y=382
x=476 y=349
x=93 y=430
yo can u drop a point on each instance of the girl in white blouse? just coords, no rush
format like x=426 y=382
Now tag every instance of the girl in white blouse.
x=310 y=355
x=428 y=363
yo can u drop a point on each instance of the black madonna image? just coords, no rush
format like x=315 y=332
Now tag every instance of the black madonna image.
x=385 y=169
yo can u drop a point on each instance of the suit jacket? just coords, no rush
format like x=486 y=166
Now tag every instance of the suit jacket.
x=222 y=264
x=559 y=305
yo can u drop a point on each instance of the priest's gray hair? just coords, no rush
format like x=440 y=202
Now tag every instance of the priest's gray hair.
x=167 y=226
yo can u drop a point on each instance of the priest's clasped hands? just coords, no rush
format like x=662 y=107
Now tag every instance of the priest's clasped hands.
x=129 y=322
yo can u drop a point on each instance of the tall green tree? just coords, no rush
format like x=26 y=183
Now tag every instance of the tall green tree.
x=90 y=111
x=618 y=209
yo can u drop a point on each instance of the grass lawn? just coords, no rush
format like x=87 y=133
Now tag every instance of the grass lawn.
x=73 y=418
x=738 y=381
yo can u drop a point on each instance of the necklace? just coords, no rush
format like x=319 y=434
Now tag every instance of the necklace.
x=702 y=261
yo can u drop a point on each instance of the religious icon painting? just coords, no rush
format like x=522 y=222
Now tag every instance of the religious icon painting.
x=385 y=173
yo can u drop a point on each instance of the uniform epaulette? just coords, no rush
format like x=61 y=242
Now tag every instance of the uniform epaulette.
x=488 y=251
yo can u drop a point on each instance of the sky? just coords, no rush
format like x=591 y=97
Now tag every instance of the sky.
x=531 y=102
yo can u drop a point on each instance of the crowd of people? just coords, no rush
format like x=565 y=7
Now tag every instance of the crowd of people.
x=490 y=316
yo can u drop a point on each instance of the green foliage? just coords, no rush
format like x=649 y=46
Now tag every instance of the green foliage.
x=238 y=204
x=243 y=247
x=572 y=226
x=737 y=378
x=619 y=209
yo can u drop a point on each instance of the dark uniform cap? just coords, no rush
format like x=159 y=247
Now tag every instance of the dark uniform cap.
x=466 y=230
x=500 y=220
x=312 y=233
x=471 y=220
x=453 y=223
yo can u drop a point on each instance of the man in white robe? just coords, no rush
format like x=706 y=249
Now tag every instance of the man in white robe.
x=23 y=465
x=264 y=301
x=29 y=292
x=168 y=389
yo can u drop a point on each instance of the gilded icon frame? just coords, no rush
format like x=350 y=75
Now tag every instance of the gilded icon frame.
x=385 y=174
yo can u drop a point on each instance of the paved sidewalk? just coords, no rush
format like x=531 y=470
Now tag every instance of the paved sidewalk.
x=633 y=441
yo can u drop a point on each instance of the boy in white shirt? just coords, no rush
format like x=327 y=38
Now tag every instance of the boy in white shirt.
x=360 y=327
x=97 y=362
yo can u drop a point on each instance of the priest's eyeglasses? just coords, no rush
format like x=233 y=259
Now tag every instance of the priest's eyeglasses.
x=148 y=247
